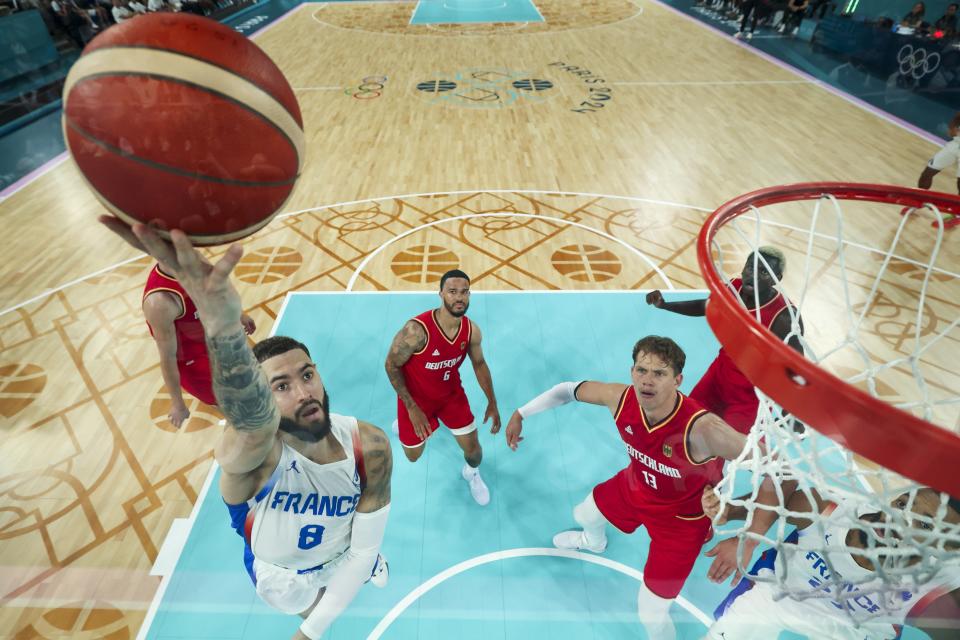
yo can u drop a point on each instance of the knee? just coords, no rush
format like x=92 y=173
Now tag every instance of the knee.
x=413 y=453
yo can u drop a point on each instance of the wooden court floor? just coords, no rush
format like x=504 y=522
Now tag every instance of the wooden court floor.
x=397 y=188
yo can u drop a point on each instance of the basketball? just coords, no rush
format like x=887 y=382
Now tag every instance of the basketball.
x=179 y=121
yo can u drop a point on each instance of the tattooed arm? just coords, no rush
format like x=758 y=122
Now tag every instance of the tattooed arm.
x=249 y=442
x=378 y=462
x=411 y=339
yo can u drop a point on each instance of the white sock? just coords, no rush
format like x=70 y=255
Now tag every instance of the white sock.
x=469 y=471
x=589 y=517
x=654 y=613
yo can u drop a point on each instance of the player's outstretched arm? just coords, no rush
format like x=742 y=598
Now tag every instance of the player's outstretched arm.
x=695 y=308
x=484 y=378
x=601 y=393
x=411 y=339
x=369 y=524
x=926 y=178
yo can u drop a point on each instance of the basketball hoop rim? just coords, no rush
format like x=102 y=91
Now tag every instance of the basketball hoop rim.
x=867 y=426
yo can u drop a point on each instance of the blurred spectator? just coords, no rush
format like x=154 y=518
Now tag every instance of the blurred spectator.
x=948 y=23
x=914 y=19
x=121 y=11
x=822 y=6
x=793 y=16
x=75 y=21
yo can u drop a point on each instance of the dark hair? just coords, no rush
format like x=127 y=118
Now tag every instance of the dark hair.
x=665 y=349
x=956 y=120
x=275 y=346
x=453 y=273
x=953 y=4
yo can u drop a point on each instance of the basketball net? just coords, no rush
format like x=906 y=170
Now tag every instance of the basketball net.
x=880 y=334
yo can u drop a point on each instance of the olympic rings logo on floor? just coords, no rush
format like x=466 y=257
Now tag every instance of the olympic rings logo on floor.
x=369 y=88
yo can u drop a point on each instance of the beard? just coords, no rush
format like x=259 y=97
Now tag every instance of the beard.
x=308 y=431
x=455 y=313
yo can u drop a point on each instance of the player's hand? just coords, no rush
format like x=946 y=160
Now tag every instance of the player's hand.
x=655 y=298
x=514 y=427
x=710 y=502
x=249 y=326
x=724 y=555
x=492 y=413
x=421 y=426
x=208 y=285
x=178 y=414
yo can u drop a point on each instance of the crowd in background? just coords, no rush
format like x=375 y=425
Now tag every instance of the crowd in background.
x=786 y=16
x=78 y=21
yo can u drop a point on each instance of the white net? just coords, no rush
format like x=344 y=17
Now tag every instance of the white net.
x=880 y=305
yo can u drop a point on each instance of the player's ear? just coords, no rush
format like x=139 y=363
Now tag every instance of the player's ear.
x=679 y=379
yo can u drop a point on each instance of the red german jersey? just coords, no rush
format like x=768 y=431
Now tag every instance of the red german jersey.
x=191 y=342
x=768 y=314
x=662 y=476
x=434 y=371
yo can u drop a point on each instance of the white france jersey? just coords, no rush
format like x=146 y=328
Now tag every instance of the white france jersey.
x=303 y=516
x=861 y=596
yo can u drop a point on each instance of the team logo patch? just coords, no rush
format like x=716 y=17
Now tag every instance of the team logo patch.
x=667 y=450
x=629 y=429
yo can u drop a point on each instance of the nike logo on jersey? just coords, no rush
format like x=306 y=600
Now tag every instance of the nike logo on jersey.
x=436 y=352
x=629 y=429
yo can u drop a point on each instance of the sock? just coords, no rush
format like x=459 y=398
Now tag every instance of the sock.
x=469 y=471
x=589 y=517
x=654 y=613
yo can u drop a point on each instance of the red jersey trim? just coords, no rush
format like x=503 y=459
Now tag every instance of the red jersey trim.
x=660 y=423
x=620 y=405
x=686 y=439
x=702 y=515
x=426 y=331
x=777 y=315
x=433 y=315
x=765 y=304
x=183 y=303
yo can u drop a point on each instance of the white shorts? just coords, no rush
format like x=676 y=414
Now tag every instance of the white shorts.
x=288 y=591
x=947 y=156
x=755 y=615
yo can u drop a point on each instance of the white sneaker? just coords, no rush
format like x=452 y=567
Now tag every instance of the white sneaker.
x=478 y=489
x=575 y=539
x=381 y=573
x=749 y=35
x=738 y=35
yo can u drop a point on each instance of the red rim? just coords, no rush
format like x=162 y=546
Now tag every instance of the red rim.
x=869 y=427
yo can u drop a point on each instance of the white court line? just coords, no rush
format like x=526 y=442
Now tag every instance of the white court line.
x=696 y=83
x=174 y=557
x=317 y=88
x=664 y=203
x=510 y=554
x=494 y=292
x=469 y=216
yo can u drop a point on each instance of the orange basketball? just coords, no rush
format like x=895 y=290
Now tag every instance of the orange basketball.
x=177 y=120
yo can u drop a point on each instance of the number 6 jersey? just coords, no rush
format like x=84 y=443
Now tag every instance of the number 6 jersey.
x=303 y=516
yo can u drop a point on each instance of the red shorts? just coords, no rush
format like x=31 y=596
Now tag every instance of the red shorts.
x=196 y=379
x=729 y=395
x=453 y=411
x=675 y=540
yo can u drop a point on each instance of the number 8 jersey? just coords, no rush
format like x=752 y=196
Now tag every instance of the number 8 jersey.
x=303 y=516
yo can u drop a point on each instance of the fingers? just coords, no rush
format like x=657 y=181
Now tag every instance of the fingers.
x=122 y=229
x=157 y=246
x=224 y=267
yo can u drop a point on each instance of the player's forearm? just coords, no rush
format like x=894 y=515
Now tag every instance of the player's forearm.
x=171 y=378
x=771 y=497
x=555 y=396
x=694 y=308
x=365 y=540
x=485 y=380
x=239 y=384
x=395 y=375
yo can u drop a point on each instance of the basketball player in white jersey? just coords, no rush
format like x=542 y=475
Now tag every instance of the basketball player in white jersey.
x=847 y=598
x=309 y=490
